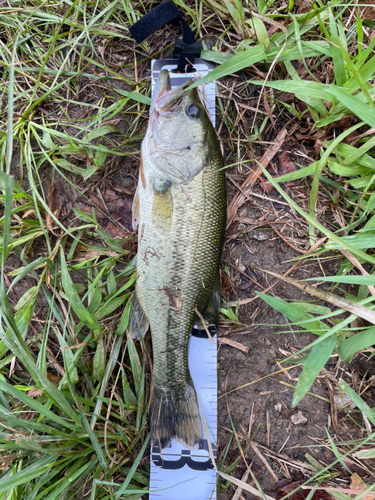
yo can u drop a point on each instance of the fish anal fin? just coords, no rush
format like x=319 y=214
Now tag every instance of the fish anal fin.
x=138 y=321
x=211 y=314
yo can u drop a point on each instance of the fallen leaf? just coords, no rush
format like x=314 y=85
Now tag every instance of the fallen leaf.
x=34 y=393
x=357 y=485
x=256 y=173
x=114 y=231
x=92 y=254
x=241 y=469
x=55 y=379
x=75 y=346
x=287 y=166
x=267 y=188
x=367 y=11
x=121 y=189
x=28 y=213
x=111 y=207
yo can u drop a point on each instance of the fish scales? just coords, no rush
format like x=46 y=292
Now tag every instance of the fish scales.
x=171 y=271
x=181 y=215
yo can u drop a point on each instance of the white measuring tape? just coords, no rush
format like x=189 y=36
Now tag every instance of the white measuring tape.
x=178 y=473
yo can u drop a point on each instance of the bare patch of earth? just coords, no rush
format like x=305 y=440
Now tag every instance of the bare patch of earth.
x=255 y=396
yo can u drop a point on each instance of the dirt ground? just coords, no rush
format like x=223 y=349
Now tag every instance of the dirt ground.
x=263 y=410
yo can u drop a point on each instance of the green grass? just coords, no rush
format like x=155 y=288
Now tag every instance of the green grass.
x=74 y=388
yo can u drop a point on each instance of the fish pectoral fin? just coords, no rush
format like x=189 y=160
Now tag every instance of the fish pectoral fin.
x=138 y=321
x=135 y=210
x=162 y=210
x=211 y=314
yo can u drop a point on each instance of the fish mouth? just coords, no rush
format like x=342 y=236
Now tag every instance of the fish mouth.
x=166 y=99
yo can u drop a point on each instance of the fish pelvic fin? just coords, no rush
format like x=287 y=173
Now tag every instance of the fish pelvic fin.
x=174 y=414
x=138 y=321
x=135 y=210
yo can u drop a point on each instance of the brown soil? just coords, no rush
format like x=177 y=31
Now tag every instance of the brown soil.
x=263 y=410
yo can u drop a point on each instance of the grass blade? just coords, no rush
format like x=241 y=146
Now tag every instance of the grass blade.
x=129 y=477
x=35 y=405
x=236 y=63
x=295 y=314
x=316 y=360
x=356 y=343
x=358 y=401
x=73 y=297
x=318 y=225
x=27 y=474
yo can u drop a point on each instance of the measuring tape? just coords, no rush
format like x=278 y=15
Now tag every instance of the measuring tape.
x=178 y=473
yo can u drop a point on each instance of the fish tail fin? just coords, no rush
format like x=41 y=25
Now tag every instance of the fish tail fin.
x=174 y=414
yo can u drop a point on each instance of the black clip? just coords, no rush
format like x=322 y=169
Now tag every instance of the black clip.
x=186 y=49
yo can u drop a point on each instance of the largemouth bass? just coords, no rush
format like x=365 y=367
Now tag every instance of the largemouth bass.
x=180 y=211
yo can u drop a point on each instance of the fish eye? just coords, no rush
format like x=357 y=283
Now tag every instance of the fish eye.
x=193 y=111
